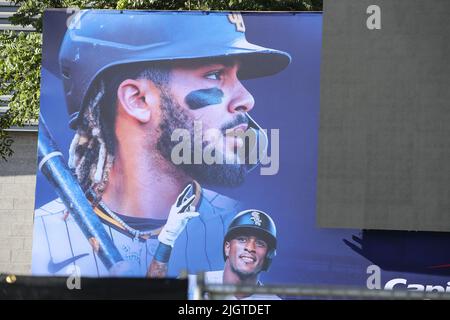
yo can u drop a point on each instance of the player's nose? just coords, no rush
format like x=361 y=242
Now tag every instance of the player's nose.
x=242 y=100
x=251 y=245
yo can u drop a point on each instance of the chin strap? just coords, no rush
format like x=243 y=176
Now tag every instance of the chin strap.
x=261 y=142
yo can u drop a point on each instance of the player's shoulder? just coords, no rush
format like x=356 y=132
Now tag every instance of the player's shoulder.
x=51 y=208
x=210 y=277
x=258 y=296
x=214 y=277
x=263 y=297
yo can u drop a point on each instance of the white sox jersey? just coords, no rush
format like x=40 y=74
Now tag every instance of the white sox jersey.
x=59 y=244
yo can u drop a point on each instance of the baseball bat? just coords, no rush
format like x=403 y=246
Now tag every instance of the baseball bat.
x=52 y=164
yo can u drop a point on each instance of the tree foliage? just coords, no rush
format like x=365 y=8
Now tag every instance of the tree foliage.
x=20 y=53
x=20 y=61
x=30 y=11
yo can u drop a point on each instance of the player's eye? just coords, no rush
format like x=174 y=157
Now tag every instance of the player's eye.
x=214 y=75
x=261 y=243
x=242 y=239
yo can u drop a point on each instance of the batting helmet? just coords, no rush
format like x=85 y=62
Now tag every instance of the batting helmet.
x=255 y=222
x=97 y=40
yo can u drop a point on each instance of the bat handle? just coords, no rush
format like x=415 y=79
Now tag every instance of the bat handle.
x=52 y=164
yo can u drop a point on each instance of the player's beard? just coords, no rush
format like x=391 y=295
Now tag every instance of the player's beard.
x=175 y=117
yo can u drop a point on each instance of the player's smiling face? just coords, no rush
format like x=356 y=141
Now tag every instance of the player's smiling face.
x=246 y=254
x=211 y=92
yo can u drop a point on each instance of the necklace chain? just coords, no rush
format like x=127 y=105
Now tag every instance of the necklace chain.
x=134 y=232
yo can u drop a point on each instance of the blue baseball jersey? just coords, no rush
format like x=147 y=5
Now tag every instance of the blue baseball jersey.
x=59 y=244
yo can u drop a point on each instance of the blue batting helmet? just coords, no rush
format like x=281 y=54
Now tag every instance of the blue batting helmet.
x=98 y=40
x=254 y=222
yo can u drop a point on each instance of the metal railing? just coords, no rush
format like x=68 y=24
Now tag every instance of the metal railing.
x=29 y=127
x=224 y=291
x=7 y=10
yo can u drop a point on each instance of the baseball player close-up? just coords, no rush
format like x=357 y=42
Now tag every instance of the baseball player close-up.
x=130 y=79
x=249 y=246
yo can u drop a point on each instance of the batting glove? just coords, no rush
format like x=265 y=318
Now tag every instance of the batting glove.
x=179 y=215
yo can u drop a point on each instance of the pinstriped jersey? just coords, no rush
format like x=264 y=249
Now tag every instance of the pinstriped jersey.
x=59 y=243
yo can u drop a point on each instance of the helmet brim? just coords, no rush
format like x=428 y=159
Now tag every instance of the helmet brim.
x=252 y=230
x=255 y=61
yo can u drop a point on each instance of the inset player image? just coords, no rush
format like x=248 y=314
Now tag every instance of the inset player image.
x=249 y=247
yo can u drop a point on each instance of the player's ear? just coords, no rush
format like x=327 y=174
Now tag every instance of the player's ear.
x=227 y=248
x=138 y=98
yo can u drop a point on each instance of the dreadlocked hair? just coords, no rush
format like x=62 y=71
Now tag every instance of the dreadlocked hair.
x=92 y=150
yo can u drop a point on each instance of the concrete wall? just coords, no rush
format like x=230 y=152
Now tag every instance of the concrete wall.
x=17 y=187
